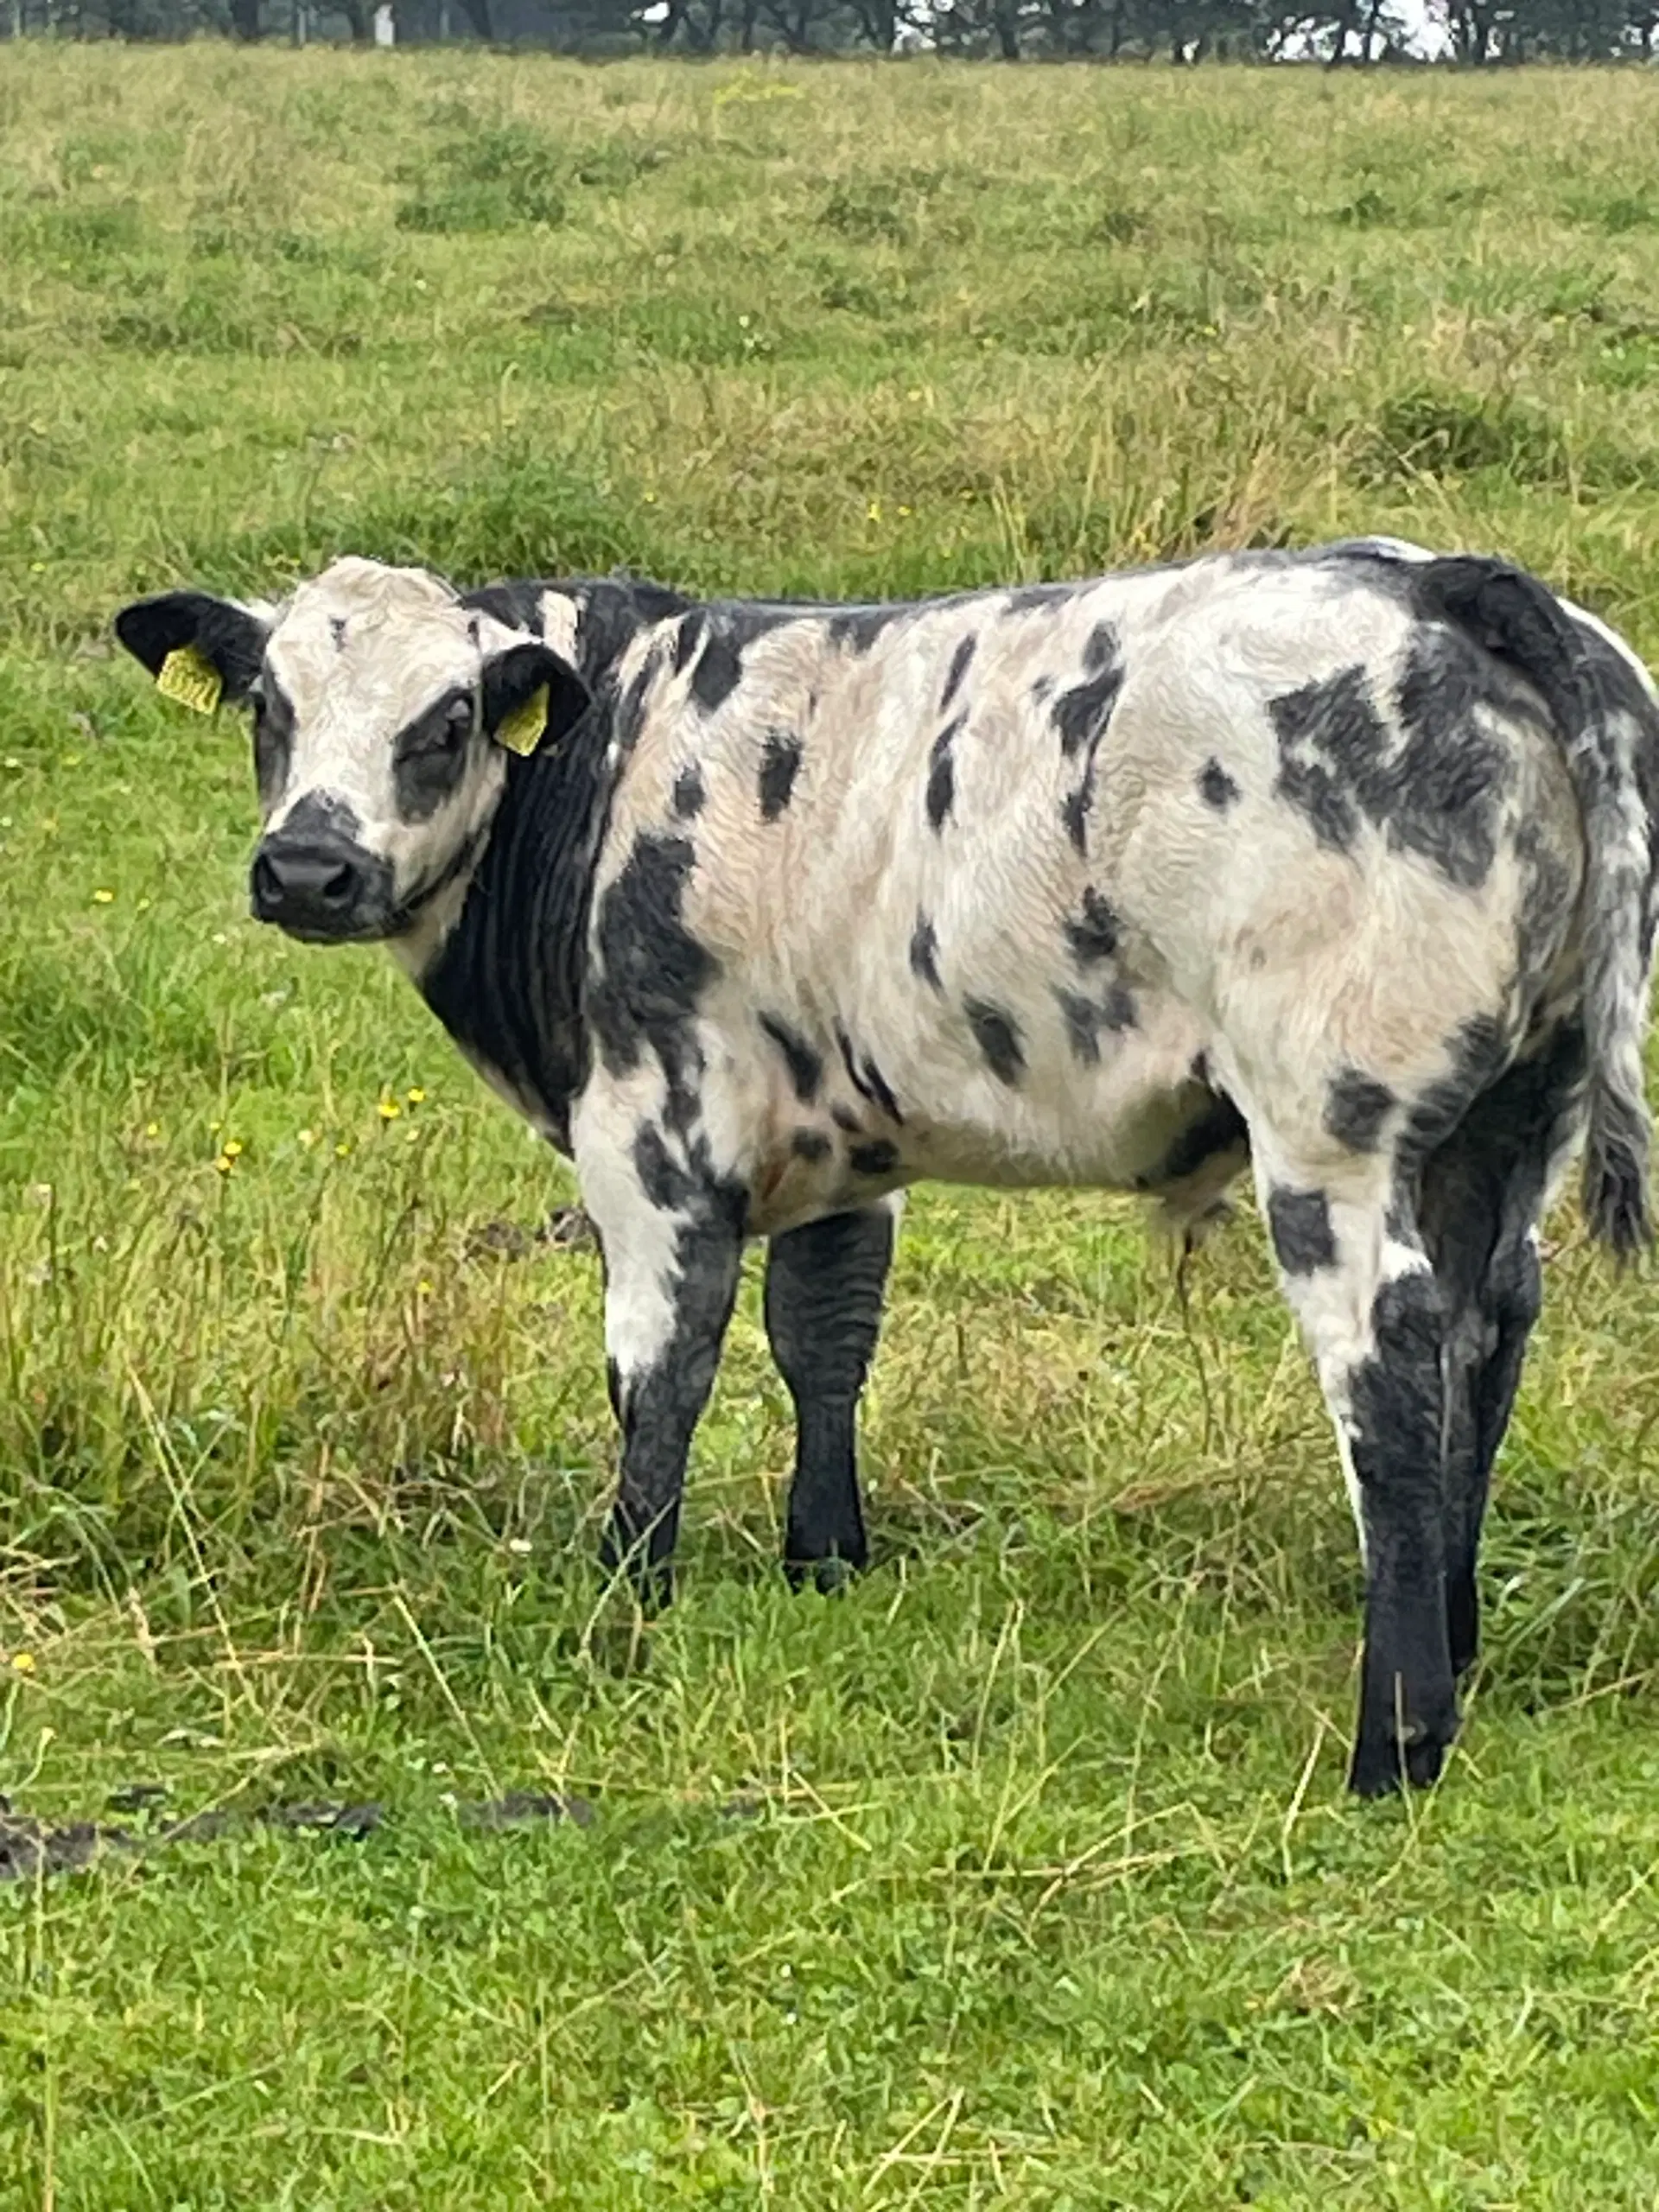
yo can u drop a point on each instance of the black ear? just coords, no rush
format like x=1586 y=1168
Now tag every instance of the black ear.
x=531 y=696
x=230 y=637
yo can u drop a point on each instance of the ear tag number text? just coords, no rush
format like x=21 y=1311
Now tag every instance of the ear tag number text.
x=190 y=678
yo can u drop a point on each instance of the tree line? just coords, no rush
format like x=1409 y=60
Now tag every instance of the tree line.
x=1340 y=33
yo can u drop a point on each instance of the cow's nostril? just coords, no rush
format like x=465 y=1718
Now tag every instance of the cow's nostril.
x=340 y=889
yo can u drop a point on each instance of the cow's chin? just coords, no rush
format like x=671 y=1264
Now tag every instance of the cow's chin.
x=370 y=931
x=371 y=923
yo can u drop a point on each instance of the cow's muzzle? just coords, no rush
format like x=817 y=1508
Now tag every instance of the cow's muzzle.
x=327 y=890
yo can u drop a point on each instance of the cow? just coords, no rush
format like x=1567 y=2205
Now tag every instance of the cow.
x=1336 y=865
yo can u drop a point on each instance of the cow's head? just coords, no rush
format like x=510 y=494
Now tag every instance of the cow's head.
x=384 y=713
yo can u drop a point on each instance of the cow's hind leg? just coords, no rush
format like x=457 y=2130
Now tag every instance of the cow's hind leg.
x=1481 y=1194
x=825 y=1284
x=1356 y=1271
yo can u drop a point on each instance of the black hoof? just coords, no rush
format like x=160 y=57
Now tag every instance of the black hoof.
x=1375 y=1771
x=1424 y=1761
x=1383 y=1764
x=826 y=1576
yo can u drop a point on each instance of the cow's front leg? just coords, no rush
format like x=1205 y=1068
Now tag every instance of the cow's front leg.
x=672 y=1238
x=823 y=1309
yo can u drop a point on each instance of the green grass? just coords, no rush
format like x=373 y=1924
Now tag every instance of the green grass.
x=1024 y=1873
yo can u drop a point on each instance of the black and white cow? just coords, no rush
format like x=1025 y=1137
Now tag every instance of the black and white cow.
x=1340 y=865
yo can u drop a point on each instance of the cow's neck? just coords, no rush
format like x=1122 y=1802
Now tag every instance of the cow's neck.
x=506 y=980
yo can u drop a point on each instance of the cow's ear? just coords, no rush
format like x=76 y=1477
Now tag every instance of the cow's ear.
x=200 y=649
x=530 y=695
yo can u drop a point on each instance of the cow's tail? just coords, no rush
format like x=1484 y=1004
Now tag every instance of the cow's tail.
x=1598 y=706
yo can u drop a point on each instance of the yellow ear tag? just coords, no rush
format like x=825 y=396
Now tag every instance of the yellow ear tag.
x=521 y=730
x=190 y=678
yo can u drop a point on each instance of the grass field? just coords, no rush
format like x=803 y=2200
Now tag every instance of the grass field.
x=1024 y=1872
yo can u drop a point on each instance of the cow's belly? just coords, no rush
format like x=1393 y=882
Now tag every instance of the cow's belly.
x=1110 y=1124
x=1113 y=1122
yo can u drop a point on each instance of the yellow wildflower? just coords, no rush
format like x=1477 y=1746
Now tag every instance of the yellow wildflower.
x=417 y=1097
x=103 y=897
x=23 y=1661
x=389 y=1110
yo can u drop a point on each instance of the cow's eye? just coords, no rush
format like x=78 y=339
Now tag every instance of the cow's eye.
x=445 y=733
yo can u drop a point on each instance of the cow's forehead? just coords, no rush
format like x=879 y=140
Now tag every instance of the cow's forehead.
x=381 y=639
